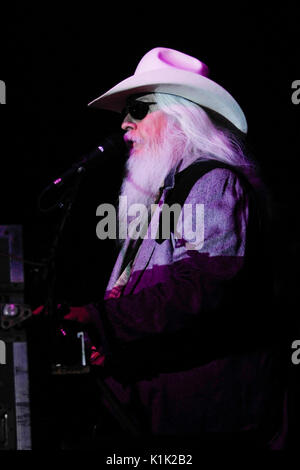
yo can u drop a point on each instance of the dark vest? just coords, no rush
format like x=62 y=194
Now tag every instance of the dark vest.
x=247 y=298
x=242 y=320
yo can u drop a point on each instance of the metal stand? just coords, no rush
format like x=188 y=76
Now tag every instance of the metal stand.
x=15 y=419
x=65 y=204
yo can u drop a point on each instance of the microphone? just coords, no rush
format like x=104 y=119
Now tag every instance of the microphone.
x=114 y=144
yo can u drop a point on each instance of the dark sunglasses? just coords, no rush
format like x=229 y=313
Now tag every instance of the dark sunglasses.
x=137 y=109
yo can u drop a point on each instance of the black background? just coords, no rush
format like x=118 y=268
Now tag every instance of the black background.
x=57 y=58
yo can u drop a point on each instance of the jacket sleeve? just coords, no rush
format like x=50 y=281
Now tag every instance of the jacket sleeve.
x=195 y=279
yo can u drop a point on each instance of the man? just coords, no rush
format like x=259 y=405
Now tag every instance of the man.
x=186 y=330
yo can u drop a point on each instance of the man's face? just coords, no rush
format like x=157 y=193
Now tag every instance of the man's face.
x=156 y=146
x=145 y=132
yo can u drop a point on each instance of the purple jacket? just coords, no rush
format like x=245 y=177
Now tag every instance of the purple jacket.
x=184 y=341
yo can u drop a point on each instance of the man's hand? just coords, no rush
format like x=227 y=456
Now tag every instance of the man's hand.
x=84 y=316
x=79 y=314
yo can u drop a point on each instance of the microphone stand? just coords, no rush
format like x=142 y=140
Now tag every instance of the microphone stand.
x=127 y=423
x=65 y=205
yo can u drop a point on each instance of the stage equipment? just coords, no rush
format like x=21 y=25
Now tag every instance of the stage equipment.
x=15 y=430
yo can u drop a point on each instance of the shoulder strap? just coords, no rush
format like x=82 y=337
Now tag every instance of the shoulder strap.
x=185 y=180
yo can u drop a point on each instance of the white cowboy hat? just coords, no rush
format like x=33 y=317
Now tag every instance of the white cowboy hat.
x=163 y=70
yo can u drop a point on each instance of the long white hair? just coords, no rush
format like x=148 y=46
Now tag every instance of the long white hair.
x=204 y=137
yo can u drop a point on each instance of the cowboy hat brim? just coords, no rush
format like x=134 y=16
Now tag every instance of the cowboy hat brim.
x=193 y=87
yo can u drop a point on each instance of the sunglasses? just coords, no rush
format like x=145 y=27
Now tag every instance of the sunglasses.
x=137 y=109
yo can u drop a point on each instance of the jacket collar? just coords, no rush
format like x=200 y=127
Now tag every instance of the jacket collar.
x=169 y=182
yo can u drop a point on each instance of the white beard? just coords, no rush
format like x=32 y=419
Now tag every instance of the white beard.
x=145 y=173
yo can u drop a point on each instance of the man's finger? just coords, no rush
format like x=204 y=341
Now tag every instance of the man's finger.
x=79 y=314
x=38 y=310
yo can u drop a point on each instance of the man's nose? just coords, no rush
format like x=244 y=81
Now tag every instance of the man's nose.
x=128 y=124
